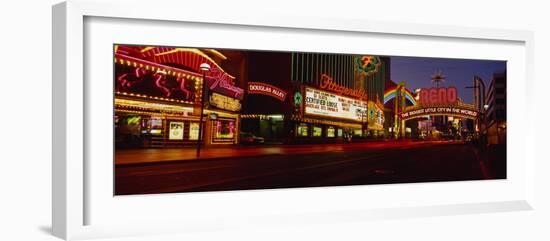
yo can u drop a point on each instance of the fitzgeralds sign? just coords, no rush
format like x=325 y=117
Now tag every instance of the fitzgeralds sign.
x=266 y=89
x=327 y=83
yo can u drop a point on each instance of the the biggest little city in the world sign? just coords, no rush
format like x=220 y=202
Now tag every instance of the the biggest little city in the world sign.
x=439 y=111
x=438 y=101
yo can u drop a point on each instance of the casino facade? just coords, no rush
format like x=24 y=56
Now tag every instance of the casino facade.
x=158 y=92
x=283 y=97
x=313 y=97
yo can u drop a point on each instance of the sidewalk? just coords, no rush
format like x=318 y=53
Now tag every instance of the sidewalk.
x=134 y=156
x=144 y=156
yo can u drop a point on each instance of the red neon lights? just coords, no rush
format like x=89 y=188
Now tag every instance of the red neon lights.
x=159 y=82
x=186 y=92
x=222 y=81
x=328 y=83
x=128 y=80
x=442 y=95
x=266 y=89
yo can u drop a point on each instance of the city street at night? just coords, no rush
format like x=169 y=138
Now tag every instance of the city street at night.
x=285 y=166
x=190 y=119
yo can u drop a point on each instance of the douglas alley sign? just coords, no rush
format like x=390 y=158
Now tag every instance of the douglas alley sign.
x=266 y=89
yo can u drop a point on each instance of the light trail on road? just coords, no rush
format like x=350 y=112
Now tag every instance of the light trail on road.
x=352 y=165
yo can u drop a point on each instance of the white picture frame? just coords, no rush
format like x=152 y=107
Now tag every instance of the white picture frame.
x=76 y=191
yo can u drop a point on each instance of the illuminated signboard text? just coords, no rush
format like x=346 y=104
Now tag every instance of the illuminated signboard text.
x=224 y=102
x=222 y=81
x=327 y=83
x=323 y=103
x=266 y=89
x=439 y=110
x=433 y=96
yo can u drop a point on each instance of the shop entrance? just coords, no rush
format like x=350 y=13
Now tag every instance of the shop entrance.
x=272 y=128
x=269 y=127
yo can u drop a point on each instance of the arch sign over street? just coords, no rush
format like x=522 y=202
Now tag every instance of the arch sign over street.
x=439 y=101
x=416 y=112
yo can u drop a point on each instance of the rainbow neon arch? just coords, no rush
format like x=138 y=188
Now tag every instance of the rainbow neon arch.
x=390 y=94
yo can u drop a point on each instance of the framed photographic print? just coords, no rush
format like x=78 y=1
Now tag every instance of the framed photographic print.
x=166 y=123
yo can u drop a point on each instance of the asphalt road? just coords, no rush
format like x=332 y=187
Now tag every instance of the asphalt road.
x=354 y=165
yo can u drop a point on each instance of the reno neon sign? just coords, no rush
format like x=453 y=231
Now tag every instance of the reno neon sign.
x=438 y=96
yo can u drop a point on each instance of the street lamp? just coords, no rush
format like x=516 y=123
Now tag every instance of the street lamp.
x=481 y=88
x=204 y=67
x=485 y=108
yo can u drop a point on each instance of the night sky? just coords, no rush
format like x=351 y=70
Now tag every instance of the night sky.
x=417 y=72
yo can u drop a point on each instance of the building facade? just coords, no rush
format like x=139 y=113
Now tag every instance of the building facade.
x=496 y=113
x=158 y=93
x=319 y=97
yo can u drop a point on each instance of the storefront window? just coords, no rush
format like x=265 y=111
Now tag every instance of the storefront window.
x=302 y=130
x=224 y=130
x=154 y=126
x=194 y=131
x=331 y=132
x=317 y=131
x=128 y=131
x=156 y=123
x=176 y=131
x=130 y=125
x=357 y=132
x=340 y=132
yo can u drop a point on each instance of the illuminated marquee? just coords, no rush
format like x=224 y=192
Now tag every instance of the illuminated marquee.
x=443 y=95
x=322 y=103
x=266 y=89
x=224 y=102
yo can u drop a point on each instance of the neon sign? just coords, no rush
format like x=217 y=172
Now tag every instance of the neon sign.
x=439 y=111
x=322 y=103
x=224 y=102
x=434 y=96
x=220 y=81
x=368 y=65
x=266 y=89
x=327 y=83
x=158 y=84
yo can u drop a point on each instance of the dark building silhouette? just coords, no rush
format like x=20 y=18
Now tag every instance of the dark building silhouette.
x=496 y=113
